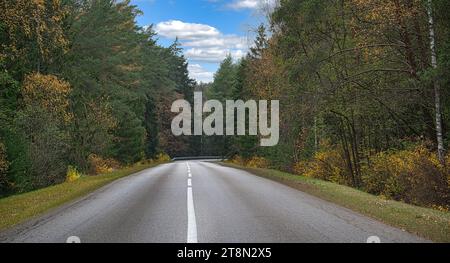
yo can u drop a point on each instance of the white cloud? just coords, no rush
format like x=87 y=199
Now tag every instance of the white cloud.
x=196 y=71
x=212 y=55
x=244 y=4
x=203 y=43
x=185 y=31
x=227 y=41
x=252 y=4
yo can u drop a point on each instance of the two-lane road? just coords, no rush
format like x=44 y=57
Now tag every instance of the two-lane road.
x=197 y=201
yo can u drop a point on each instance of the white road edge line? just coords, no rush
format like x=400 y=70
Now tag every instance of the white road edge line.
x=192 y=221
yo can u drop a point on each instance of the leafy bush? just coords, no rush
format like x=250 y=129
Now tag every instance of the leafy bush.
x=301 y=167
x=162 y=158
x=3 y=165
x=257 y=162
x=47 y=148
x=238 y=160
x=99 y=165
x=253 y=162
x=447 y=168
x=415 y=176
x=327 y=164
x=377 y=175
x=158 y=159
x=43 y=118
x=72 y=174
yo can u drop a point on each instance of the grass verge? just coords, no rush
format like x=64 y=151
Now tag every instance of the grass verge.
x=428 y=223
x=18 y=208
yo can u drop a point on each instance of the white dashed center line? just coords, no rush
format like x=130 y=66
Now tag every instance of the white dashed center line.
x=192 y=222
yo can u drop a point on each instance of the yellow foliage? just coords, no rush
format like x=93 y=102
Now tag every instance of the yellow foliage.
x=327 y=164
x=384 y=16
x=266 y=77
x=99 y=165
x=3 y=162
x=72 y=174
x=257 y=162
x=301 y=167
x=447 y=168
x=414 y=176
x=162 y=158
x=253 y=162
x=48 y=92
x=35 y=21
x=159 y=159
x=238 y=160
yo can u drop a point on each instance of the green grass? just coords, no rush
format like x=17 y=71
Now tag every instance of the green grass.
x=19 y=208
x=428 y=223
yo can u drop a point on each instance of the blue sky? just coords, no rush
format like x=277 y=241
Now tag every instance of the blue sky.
x=207 y=29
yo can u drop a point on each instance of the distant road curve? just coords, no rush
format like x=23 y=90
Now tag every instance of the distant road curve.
x=200 y=158
x=200 y=201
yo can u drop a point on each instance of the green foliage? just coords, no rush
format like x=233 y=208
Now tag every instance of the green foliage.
x=355 y=81
x=261 y=43
x=223 y=88
x=47 y=148
x=162 y=158
x=224 y=81
x=17 y=176
x=3 y=167
x=129 y=137
x=84 y=87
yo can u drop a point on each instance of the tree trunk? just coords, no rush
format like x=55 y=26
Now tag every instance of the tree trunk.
x=437 y=92
x=316 y=137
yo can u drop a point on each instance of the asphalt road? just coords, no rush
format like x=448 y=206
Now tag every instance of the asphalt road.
x=198 y=201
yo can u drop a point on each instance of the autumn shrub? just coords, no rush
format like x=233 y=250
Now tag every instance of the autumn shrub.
x=252 y=162
x=162 y=158
x=99 y=165
x=158 y=159
x=377 y=174
x=72 y=174
x=447 y=168
x=414 y=176
x=3 y=165
x=301 y=167
x=327 y=164
x=238 y=160
x=257 y=162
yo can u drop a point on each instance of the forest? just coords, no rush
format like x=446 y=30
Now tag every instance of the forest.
x=364 y=95
x=363 y=87
x=82 y=87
